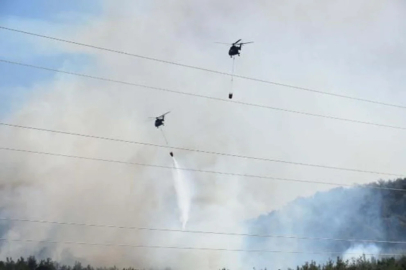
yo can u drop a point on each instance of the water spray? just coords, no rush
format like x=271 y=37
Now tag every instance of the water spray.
x=182 y=194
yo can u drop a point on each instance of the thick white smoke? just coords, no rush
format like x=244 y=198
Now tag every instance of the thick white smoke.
x=365 y=249
x=183 y=193
x=333 y=46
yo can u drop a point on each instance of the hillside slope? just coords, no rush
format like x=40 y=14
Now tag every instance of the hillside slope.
x=342 y=213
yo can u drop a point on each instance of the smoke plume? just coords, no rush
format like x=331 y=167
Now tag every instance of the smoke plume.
x=349 y=47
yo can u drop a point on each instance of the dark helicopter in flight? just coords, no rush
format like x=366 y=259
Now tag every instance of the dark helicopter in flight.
x=159 y=121
x=235 y=47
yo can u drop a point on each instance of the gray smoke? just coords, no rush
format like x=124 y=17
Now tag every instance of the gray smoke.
x=358 y=213
x=341 y=47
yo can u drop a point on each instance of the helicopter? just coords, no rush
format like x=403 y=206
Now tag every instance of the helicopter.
x=159 y=121
x=235 y=47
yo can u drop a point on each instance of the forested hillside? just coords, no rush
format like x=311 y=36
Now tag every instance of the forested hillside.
x=370 y=212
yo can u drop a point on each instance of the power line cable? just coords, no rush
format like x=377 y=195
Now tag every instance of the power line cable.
x=195 y=170
x=205 y=232
x=198 y=248
x=205 y=69
x=201 y=151
x=203 y=96
x=242 y=77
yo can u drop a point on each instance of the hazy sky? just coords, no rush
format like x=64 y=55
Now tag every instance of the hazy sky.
x=352 y=48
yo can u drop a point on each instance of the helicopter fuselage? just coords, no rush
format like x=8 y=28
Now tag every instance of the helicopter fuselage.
x=159 y=122
x=234 y=50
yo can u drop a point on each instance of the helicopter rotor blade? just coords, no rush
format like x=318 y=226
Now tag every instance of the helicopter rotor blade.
x=247 y=42
x=236 y=41
x=148 y=120
x=164 y=114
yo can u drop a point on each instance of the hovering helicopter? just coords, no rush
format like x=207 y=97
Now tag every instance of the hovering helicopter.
x=235 y=47
x=159 y=121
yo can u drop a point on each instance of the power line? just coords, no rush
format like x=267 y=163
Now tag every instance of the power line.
x=204 y=69
x=204 y=232
x=197 y=248
x=195 y=170
x=242 y=103
x=203 y=96
x=200 y=151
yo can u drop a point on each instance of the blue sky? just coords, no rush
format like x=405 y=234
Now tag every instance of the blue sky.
x=35 y=16
x=48 y=10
